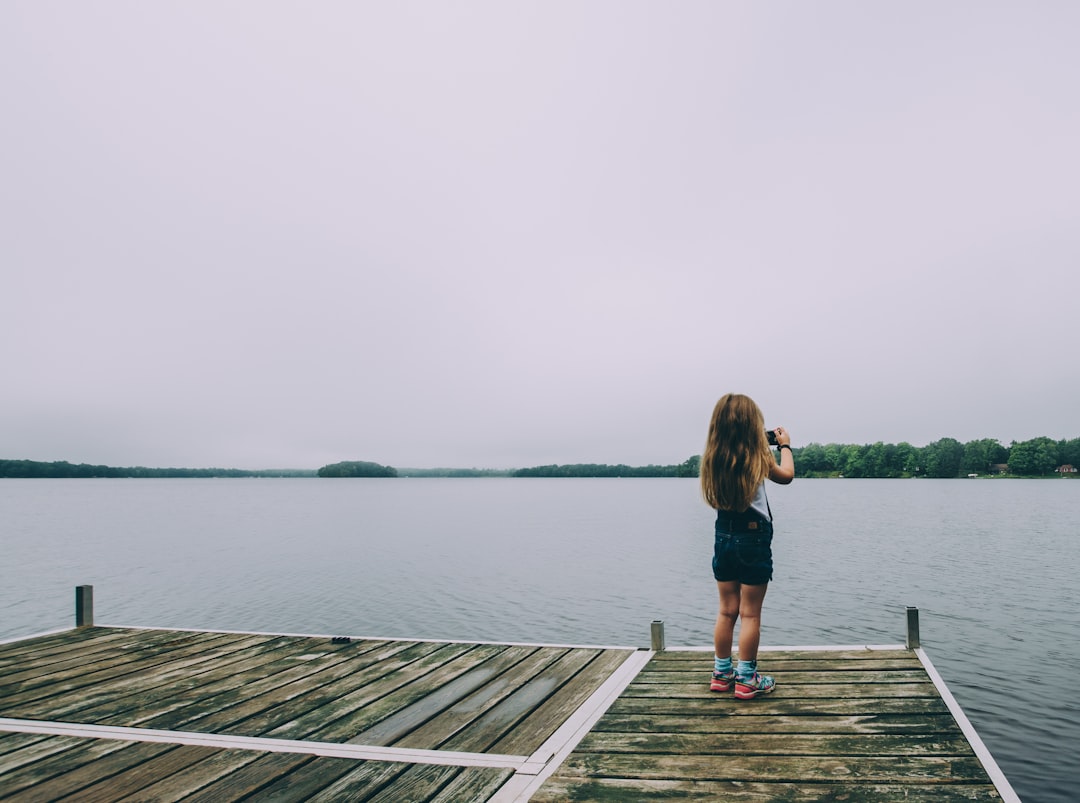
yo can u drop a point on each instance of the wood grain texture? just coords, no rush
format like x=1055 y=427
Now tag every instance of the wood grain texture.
x=842 y=725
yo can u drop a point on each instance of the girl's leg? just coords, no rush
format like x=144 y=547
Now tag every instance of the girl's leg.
x=749 y=683
x=749 y=610
x=724 y=632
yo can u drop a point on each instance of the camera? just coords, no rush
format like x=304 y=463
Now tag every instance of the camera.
x=771 y=435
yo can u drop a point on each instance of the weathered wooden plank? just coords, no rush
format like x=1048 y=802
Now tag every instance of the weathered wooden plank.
x=719 y=706
x=43 y=650
x=508 y=714
x=287 y=710
x=10 y=742
x=554 y=711
x=58 y=763
x=319 y=712
x=140 y=658
x=620 y=790
x=132 y=690
x=191 y=778
x=804 y=692
x=270 y=785
x=206 y=693
x=409 y=717
x=216 y=704
x=420 y=687
x=140 y=692
x=35 y=750
x=900 y=654
x=116 y=787
x=461 y=716
x=215 y=649
x=787 y=744
x=431 y=784
x=110 y=650
x=75 y=656
x=473 y=784
x=674 y=656
x=778 y=769
x=269 y=769
x=824 y=663
x=360 y=783
x=790 y=678
x=73 y=782
x=419 y=783
x=807 y=723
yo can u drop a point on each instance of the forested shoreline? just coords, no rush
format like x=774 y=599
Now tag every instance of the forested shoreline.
x=942 y=459
x=61 y=469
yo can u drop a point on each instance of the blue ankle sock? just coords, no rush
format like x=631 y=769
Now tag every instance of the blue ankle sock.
x=722 y=664
x=746 y=668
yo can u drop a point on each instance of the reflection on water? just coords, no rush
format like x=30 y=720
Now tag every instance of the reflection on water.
x=990 y=563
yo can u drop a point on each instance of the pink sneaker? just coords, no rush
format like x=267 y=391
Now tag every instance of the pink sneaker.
x=753 y=686
x=722 y=681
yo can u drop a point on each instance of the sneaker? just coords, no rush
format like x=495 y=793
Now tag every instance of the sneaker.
x=751 y=687
x=722 y=681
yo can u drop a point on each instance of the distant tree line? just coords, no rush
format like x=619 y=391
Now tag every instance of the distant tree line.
x=356 y=468
x=64 y=470
x=454 y=472
x=688 y=468
x=943 y=458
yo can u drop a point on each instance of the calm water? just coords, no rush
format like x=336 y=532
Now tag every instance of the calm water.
x=991 y=564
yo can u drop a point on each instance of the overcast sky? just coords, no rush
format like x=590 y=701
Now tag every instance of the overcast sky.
x=500 y=234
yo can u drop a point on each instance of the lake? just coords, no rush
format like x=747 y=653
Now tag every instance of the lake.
x=991 y=564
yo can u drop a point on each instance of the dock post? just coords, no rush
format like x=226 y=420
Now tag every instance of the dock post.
x=913 y=642
x=84 y=606
x=658 y=635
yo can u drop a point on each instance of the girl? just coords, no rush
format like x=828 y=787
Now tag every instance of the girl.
x=736 y=461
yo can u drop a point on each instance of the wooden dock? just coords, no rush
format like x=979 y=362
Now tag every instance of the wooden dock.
x=849 y=724
x=109 y=714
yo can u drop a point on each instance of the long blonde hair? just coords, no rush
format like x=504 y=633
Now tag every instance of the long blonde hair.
x=737 y=457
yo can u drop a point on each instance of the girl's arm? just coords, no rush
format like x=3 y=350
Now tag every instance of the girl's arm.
x=785 y=471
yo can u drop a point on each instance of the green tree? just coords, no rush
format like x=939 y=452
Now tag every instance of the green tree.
x=979 y=455
x=943 y=458
x=691 y=467
x=1069 y=452
x=853 y=463
x=1033 y=458
x=810 y=460
x=875 y=460
x=834 y=457
x=907 y=459
x=356 y=468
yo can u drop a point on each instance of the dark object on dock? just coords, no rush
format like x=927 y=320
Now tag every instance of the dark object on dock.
x=340 y=640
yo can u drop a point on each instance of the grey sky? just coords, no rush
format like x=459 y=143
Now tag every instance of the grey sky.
x=497 y=234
